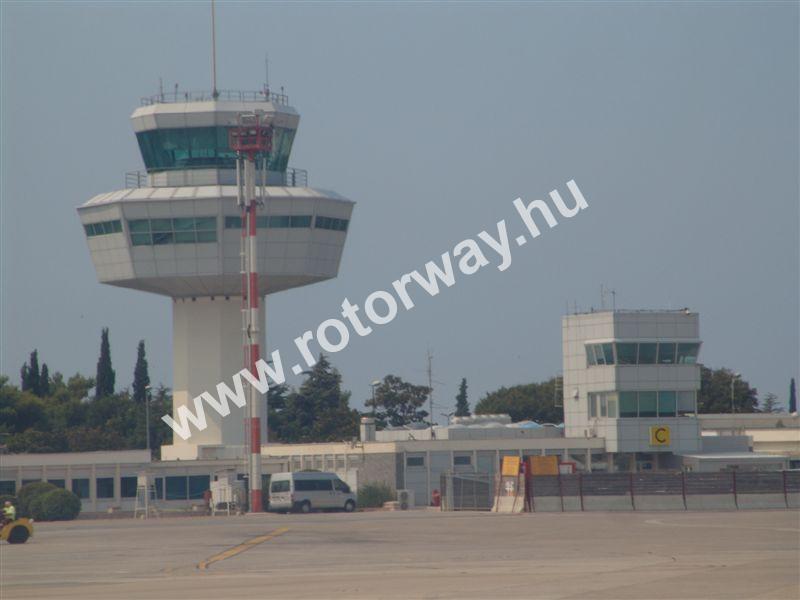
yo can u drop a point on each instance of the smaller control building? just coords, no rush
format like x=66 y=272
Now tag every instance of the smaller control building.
x=631 y=378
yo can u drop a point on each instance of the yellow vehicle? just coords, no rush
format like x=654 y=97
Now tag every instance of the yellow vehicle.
x=17 y=532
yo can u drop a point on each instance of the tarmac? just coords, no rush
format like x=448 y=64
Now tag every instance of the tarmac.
x=413 y=554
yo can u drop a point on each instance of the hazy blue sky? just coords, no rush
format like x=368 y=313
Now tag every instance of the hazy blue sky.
x=678 y=121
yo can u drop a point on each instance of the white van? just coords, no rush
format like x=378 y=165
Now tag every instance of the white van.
x=309 y=490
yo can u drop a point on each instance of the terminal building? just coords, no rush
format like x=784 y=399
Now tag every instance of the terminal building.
x=630 y=384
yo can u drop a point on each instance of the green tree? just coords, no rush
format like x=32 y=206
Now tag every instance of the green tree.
x=770 y=404
x=79 y=386
x=319 y=410
x=792 y=397
x=277 y=399
x=715 y=392
x=141 y=378
x=30 y=376
x=44 y=381
x=528 y=402
x=462 y=405
x=105 y=373
x=398 y=403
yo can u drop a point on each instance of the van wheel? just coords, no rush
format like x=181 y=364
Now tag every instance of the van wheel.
x=349 y=506
x=305 y=507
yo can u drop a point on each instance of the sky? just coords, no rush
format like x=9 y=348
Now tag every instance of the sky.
x=678 y=121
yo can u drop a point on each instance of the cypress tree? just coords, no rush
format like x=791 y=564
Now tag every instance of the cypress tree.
x=462 y=405
x=105 y=374
x=792 y=397
x=44 y=381
x=34 y=378
x=141 y=377
x=24 y=378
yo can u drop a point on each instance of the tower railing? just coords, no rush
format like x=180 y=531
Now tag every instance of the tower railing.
x=291 y=178
x=222 y=95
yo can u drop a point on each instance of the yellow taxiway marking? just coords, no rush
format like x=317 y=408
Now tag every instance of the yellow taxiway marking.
x=231 y=552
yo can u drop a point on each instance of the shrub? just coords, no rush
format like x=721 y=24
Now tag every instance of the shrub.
x=55 y=505
x=28 y=493
x=373 y=495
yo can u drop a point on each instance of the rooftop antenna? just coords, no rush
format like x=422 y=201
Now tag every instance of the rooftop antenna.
x=214 y=92
x=266 y=74
x=430 y=388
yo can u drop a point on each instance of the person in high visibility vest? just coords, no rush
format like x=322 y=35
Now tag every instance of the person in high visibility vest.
x=9 y=512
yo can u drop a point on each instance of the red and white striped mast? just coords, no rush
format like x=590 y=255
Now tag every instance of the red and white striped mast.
x=251 y=138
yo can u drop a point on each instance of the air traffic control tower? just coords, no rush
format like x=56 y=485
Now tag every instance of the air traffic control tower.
x=176 y=231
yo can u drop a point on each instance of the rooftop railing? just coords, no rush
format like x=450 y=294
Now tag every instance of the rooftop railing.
x=222 y=95
x=291 y=178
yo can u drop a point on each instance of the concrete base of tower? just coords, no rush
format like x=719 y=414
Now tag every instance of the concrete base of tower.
x=208 y=350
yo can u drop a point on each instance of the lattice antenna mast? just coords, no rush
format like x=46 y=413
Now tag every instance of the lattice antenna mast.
x=251 y=139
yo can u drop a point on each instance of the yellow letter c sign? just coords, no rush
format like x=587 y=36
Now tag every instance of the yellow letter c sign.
x=659 y=435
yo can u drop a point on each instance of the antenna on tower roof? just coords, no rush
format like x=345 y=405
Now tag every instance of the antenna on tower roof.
x=214 y=92
x=266 y=73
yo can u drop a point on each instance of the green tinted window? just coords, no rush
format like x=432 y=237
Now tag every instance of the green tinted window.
x=183 y=230
x=608 y=353
x=185 y=224
x=627 y=404
x=161 y=224
x=205 y=223
x=626 y=354
x=687 y=353
x=590 y=356
x=666 y=354
x=666 y=404
x=647 y=404
x=141 y=239
x=206 y=237
x=647 y=353
x=139 y=225
x=300 y=221
x=163 y=237
x=330 y=223
x=185 y=237
x=599 y=357
x=234 y=222
x=262 y=222
x=103 y=228
x=203 y=148
x=278 y=221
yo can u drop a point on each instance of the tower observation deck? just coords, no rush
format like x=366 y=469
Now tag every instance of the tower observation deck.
x=177 y=233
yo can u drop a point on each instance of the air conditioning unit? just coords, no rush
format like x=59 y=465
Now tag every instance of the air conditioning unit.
x=405 y=499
